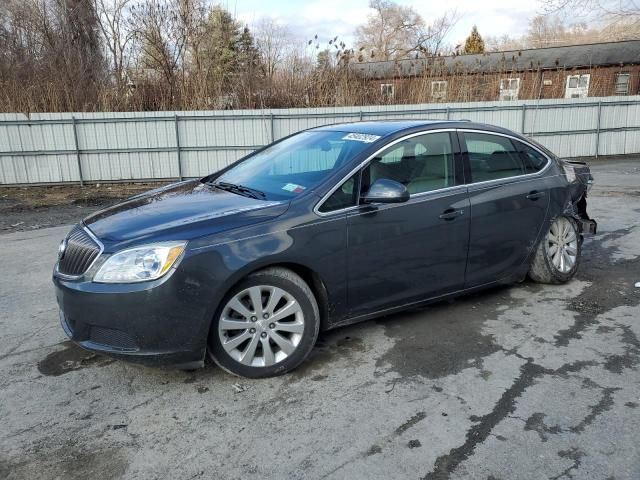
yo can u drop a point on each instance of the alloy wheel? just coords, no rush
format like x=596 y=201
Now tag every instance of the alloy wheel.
x=562 y=245
x=261 y=326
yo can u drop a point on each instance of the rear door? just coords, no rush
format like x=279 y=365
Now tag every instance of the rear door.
x=508 y=202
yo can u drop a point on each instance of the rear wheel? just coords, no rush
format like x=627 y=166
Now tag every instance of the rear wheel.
x=558 y=254
x=267 y=325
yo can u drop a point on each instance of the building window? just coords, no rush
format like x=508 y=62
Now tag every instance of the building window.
x=622 y=84
x=439 y=90
x=577 y=86
x=509 y=88
x=387 y=90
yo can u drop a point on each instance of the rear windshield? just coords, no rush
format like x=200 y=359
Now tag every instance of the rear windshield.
x=297 y=164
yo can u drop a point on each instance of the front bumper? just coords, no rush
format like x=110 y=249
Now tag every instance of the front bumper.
x=164 y=322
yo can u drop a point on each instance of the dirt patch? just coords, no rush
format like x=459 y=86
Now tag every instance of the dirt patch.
x=72 y=461
x=30 y=208
x=328 y=348
x=69 y=359
x=443 y=338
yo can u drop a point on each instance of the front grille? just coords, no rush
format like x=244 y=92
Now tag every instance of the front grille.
x=79 y=254
x=112 y=338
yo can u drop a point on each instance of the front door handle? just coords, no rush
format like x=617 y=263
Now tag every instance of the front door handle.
x=450 y=214
x=535 y=195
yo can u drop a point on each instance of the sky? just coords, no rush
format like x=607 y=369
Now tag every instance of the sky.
x=328 y=18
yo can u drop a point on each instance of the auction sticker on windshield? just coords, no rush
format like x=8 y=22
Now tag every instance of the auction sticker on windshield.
x=361 y=137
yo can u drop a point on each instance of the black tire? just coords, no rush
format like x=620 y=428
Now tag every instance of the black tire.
x=295 y=286
x=542 y=268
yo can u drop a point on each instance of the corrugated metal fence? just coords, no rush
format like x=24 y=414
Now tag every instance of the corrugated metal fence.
x=95 y=147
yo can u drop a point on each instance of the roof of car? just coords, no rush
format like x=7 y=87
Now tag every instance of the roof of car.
x=389 y=127
x=380 y=127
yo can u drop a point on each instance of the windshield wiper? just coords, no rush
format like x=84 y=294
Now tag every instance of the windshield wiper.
x=240 y=190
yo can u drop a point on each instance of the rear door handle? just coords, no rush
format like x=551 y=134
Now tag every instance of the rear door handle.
x=535 y=195
x=450 y=214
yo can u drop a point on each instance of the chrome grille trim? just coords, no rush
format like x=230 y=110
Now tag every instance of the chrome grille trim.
x=84 y=248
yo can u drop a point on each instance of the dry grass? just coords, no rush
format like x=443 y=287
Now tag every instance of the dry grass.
x=13 y=199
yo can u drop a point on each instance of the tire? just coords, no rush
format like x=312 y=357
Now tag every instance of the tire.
x=545 y=266
x=248 y=346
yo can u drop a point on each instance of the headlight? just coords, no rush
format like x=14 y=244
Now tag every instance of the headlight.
x=140 y=264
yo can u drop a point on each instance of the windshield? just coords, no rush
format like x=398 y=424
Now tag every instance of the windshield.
x=294 y=165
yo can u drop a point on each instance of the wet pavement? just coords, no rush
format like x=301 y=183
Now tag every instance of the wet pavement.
x=522 y=382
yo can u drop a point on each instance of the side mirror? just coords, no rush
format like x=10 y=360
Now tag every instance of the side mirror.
x=385 y=190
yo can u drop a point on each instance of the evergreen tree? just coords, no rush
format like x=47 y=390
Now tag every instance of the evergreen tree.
x=474 y=42
x=227 y=49
x=248 y=55
x=323 y=59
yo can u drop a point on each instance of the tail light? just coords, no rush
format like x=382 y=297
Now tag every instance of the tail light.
x=569 y=172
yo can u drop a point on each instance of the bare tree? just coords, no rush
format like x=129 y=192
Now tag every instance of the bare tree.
x=554 y=30
x=272 y=40
x=431 y=40
x=391 y=32
x=503 y=43
x=550 y=30
x=395 y=31
x=609 y=11
x=117 y=36
x=51 y=55
x=163 y=28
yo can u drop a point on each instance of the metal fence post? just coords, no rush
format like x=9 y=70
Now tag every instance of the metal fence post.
x=75 y=141
x=360 y=115
x=524 y=117
x=178 y=152
x=598 y=128
x=272 y=127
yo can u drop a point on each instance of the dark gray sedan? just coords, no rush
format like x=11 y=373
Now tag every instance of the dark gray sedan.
x=324 y=228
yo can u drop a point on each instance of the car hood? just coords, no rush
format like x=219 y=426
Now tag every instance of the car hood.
x=187 y=209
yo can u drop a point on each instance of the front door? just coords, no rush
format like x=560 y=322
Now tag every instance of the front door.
x=402 y=253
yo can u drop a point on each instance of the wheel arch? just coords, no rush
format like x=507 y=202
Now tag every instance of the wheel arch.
x=310 y=276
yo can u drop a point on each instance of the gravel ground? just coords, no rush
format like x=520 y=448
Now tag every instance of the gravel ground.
x=525 y=382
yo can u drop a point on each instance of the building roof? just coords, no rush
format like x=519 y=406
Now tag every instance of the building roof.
x=571 y=56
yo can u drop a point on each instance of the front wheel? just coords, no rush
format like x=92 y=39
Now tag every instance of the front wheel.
x=558 y=254
x=267 y=325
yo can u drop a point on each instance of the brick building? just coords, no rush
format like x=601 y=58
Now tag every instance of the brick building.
x=576 y=71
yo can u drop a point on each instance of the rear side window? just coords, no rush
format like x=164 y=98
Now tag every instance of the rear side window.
x=492 y=157
x=534 y=161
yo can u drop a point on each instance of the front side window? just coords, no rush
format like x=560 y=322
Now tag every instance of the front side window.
x=577 y=86
x=421 y=163
x=343 y=197
x=492 y=157
x=509 y=88
x=295 y=165
x=622 y=84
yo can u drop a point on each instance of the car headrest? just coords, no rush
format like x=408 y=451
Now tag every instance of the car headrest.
x=501 y=161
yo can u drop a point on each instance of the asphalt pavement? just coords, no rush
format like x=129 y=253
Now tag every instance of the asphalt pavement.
x=522 y=382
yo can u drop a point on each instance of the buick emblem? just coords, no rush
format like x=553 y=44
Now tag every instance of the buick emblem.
x=62 y=248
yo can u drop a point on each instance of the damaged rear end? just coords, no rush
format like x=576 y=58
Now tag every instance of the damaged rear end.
x=580 y=181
